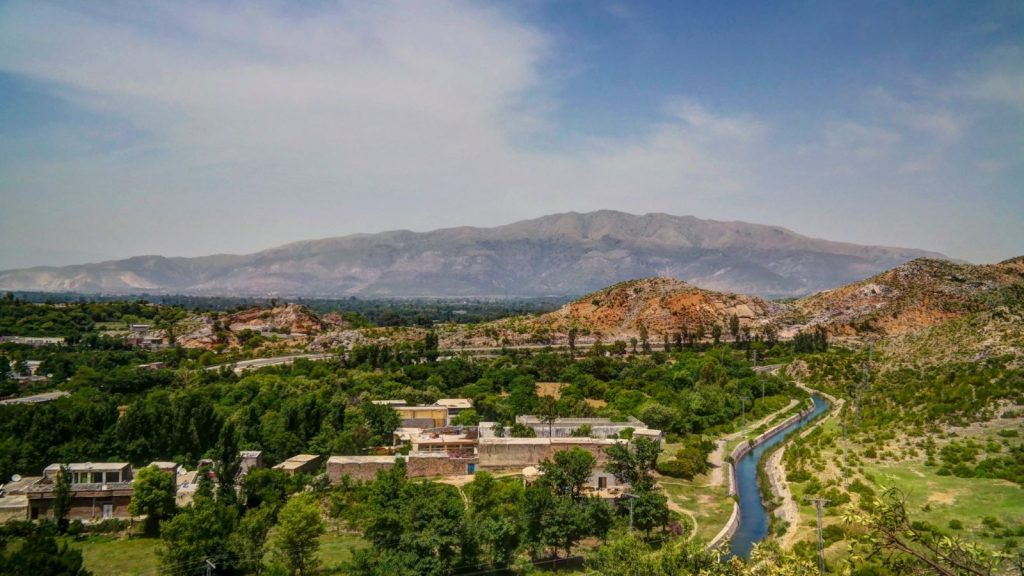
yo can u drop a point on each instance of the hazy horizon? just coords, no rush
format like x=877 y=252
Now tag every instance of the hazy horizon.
x=190 y=129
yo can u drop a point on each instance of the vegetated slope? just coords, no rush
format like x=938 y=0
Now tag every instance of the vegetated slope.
x=661 y=305
x=919 y=294
x=561 y=254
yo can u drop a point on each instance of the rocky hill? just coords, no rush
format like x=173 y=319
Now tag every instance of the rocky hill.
x=661 y=305
x=919 y=294
x=562 y=254
x=290 y=323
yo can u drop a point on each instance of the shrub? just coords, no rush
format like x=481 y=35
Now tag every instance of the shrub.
x=955 y=524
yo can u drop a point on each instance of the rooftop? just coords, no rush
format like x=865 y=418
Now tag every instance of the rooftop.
x=455 y=402
x=89 y=466
x=361 y=460
x=631 y=421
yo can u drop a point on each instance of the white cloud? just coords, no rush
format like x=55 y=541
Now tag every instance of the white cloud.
x=247 y=125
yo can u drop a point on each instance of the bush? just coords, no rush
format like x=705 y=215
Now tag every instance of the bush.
x=108 y=526
x=955 y=524
x=685 y=469
x=991 y=522
x=832 y=533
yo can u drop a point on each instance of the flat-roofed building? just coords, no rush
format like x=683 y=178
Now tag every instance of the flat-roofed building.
x=455 y=406
x=423 y=416
x=594 y=427
x=300 y=464
x=249 y=459
x=497 y=453
x=456 y=441
x=357 y=467
x=99 y=490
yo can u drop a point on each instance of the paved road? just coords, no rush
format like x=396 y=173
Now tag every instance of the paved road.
x=244 y=365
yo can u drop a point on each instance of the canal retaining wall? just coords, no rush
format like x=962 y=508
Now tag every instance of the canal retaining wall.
x=739 y=452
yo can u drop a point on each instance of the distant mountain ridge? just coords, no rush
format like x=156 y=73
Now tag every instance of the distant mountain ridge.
x=561 y=254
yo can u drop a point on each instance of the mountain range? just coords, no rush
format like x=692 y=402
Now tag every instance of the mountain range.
x=560 y=254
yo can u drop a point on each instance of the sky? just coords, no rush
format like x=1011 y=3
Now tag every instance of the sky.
x=187 y=128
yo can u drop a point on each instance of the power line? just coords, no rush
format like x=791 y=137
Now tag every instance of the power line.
x=818 y=504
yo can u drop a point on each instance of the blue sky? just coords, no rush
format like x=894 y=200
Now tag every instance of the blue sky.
x=190 y=128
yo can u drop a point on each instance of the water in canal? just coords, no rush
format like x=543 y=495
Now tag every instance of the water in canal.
x=753 y=517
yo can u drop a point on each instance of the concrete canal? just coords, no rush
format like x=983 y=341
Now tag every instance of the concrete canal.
x=753 y=518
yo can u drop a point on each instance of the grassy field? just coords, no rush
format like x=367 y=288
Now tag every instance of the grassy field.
x=335 y=549
x=938 y=499
x=111 y=555
x=138 y=556
x=711 y=506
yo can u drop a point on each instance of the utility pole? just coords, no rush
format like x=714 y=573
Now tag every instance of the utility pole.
x=743 y=414
x=818 y=504
x=758 y=376
x=630 y=497
x=209 y=567
x=846 y=452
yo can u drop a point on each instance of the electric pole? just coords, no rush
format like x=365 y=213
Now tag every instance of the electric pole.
x=846 y=451
x=818 y=504
x=630 y=497
x=758 y=376
x=209 y=567
x=743 y=414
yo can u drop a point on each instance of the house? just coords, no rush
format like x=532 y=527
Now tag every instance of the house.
x=424 y=416
x=13 y=501
x=99 y=490
x=34 y=341
x=249 y=459
x=455 y=406
x=357 y=467
x=600 y=482
x=450 y=440
x=593 y=427
x=300 y=464
x=418 y=465
x=144 y=336
x=186 y=485
x=498 y=453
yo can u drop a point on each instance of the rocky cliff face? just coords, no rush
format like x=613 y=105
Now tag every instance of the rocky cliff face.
x=919 y=294
x=662 y=306
x=562 y=254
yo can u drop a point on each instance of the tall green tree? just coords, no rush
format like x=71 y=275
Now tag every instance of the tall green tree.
x=153 y=496
x=39 y=554
x=382 y=421
x=567 y=471
x=632 y=462
x=734 y=326
x=62 y=497
x=415 y=528
x=547 y=412
x=295 y=541
x=248 y=541
x=495 y=517
x=198 y=532
x=228 y=461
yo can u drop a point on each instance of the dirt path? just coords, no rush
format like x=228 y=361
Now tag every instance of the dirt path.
x=677 y=508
